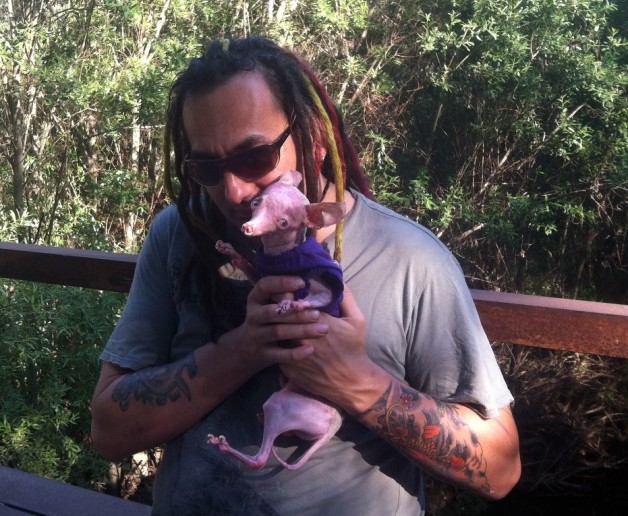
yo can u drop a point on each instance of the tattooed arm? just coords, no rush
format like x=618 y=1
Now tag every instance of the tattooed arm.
x=448 y=440
x=136 y=410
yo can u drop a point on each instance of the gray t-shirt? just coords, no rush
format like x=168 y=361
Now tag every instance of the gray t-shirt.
x=422 y=327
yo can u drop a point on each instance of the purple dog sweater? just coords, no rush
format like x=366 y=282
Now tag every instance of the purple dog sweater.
x=308 y=260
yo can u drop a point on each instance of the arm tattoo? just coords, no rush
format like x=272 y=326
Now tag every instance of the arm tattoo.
x=434 y=435
x=156 y=385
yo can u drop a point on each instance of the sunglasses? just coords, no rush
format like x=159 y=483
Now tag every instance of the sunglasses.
x=249 y=165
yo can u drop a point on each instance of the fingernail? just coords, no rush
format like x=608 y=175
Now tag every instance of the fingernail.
x=322 y=329
x=313 y=314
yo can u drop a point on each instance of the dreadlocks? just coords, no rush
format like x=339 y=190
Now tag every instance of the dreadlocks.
x=313 y=117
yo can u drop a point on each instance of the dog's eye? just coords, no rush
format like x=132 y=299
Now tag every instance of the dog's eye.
x=282 y=223
x=256 y=202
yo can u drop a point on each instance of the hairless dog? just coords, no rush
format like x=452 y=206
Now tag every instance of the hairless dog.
x=281 y=215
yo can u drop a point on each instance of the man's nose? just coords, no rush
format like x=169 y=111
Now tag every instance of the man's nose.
x=237 y=190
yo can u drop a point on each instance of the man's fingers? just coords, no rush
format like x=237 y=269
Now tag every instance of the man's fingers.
x=270 y=286
x=286 y=356
x=268 y=314
x=278 y=332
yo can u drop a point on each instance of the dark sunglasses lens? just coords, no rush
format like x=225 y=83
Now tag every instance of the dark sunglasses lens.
x=205 y=174
x=255 y=163
x=249 y=165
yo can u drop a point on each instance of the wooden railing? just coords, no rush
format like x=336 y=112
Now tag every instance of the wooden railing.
x=561 y=324
x=546 y=322
x=22 y=493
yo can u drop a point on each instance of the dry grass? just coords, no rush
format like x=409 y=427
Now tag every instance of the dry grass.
x=572 y=415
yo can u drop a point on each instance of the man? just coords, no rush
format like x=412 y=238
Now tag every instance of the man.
x=407 y=361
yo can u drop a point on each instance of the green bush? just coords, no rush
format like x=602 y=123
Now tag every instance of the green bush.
x=50 y=338
x=502 y=125
x=520 y=120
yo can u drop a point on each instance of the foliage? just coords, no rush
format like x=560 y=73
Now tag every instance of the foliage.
x=573 y=422
x=80 y=101
x=500 y=124
x=51 y=338
x=520 y=119
x=550 y=407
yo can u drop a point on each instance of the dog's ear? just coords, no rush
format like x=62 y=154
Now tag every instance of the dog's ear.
x=323 y=214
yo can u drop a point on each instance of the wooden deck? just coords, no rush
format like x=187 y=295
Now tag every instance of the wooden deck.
x=22 y=493
x=561 y=324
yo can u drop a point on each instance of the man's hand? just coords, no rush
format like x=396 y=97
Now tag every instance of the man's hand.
x=338 y=368
x=256 y=340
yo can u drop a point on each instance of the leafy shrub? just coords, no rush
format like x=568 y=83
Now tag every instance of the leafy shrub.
x=51 y=337
x=519 y=117
x=500 y=124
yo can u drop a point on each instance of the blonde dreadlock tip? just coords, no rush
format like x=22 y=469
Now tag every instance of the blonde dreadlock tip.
x=335 y=160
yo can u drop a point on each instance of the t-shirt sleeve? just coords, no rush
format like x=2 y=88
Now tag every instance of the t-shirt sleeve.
x=143 y=335
x=421 y=322
x=456 y=361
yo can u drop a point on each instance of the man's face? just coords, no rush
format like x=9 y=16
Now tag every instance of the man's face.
x=241 y=114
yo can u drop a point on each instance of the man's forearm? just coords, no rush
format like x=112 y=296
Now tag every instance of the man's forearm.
x=156 y=385
x=133 y=411
x=441 y=438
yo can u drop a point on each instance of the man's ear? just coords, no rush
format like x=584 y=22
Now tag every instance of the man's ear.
x=323 y=214
x=320 y=153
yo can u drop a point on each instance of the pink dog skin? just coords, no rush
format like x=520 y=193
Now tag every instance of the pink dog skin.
x=281 y=215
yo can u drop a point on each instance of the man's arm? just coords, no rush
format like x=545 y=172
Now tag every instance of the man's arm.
x=449 y=440
x=136 y=410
